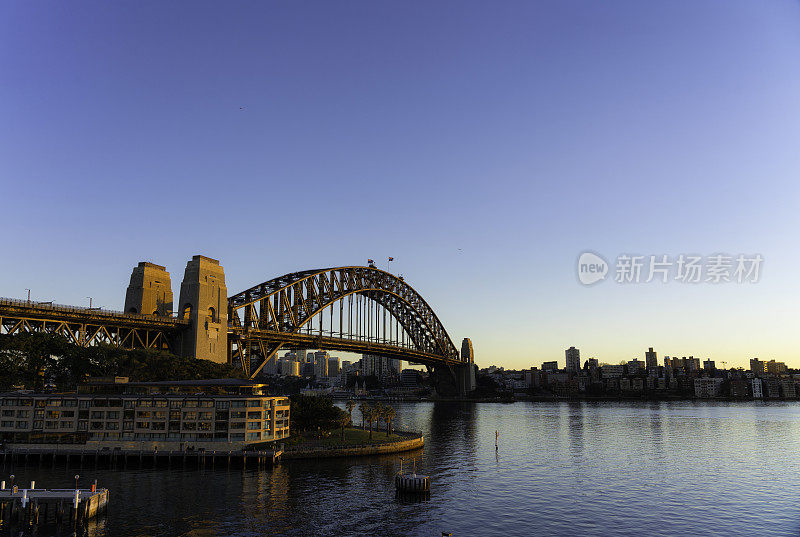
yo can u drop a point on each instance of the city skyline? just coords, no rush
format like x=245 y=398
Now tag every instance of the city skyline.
x=483 y=148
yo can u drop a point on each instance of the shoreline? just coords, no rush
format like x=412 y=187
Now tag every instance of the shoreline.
x=411 y=441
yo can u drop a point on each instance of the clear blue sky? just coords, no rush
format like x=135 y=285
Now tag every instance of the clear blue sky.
x=279 y=136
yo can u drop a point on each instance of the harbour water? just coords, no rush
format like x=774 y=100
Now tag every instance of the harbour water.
x=561 y=469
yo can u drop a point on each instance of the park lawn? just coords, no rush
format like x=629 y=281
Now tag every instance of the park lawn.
x=352 y=437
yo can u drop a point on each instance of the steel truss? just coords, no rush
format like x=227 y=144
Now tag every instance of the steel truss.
x=385 y=316
x=86 y=328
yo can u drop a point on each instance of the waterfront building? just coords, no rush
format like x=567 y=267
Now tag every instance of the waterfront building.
x=637 y=384
x=772 y=388
x=532 y=378
x=651 y=359
x=788 y=388
x=757 y=388
x=706 y=387
x=218 y=414
x=573 y=359
x=739 y=389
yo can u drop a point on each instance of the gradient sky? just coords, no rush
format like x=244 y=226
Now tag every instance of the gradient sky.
x=483 y=145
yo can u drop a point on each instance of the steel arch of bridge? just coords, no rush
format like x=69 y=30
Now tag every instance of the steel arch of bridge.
x=274 y=314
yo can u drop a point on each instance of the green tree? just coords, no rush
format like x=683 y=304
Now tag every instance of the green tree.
x=372 y=417
x=312 y=413
x=350 y=404
x=388 y=415
x=343 y=420
x=380 y=410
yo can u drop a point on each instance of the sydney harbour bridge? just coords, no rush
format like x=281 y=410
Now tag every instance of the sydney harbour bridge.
x=358 y=309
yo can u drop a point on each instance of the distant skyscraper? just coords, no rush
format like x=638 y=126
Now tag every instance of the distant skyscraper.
x=321 y=364
x=651 y=359
x=573 y=360
x=709 y=365
x=334 y=366
x=381 y=367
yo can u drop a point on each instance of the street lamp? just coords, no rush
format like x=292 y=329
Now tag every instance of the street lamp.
x=76 y=481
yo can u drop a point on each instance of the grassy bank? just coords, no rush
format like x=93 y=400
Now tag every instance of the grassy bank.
x=352 y=437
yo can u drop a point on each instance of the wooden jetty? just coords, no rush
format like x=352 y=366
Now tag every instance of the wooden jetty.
x=140 y=457
x=32 y=506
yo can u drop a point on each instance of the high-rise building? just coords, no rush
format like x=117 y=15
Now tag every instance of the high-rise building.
x=651 y=359
x=290 y=368
x=321 y=364
x=709 y=365
x=334 y=366
x=381 y=367
x=573 y=360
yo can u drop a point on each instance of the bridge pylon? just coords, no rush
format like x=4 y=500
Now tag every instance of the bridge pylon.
x=150 y=290
x=204 y=301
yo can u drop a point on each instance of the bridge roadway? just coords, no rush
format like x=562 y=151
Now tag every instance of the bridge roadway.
x=91 y=326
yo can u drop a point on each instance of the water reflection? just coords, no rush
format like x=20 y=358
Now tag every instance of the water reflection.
x=655 y=468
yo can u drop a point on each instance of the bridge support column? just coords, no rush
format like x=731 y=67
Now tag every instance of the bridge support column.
x=454 y=381
x=204 y=301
